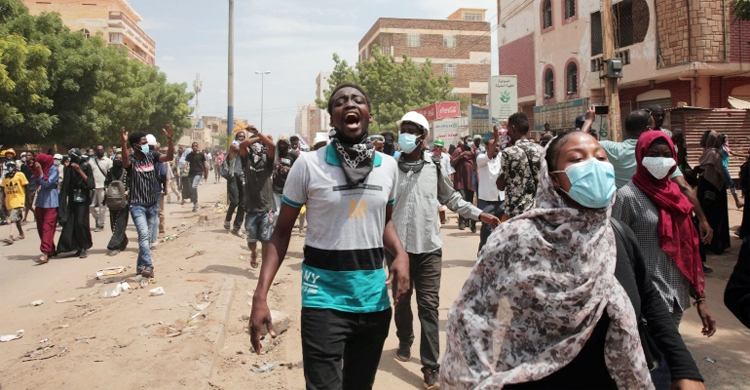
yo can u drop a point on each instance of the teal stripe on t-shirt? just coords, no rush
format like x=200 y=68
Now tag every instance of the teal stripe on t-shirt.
x=347 y=291
x=291 y=203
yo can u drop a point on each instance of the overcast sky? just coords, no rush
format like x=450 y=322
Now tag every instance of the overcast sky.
x=294 y=39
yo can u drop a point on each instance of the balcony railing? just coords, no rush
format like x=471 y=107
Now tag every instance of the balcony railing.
x=117 y=15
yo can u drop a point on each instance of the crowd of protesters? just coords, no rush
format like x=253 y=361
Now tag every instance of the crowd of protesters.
x=589 y=254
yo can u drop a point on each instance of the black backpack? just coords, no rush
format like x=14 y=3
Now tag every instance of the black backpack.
x=116 y=196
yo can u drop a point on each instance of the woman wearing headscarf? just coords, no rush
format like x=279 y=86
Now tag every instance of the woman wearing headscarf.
x=73 y=213
x=45 y=176
x=118 y=219
x=712 y=186
x=557 y=295
x=349 y=191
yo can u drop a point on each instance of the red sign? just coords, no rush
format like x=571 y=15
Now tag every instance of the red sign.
x=440 y=110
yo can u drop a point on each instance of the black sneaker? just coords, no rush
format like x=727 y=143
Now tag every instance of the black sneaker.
x=84 y=254
x=431 y=379
x=473 y=227
x=226 y=225
x=403 y=353
x=707 y=270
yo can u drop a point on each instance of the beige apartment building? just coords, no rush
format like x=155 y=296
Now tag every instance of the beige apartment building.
x=459 y=46
x=116 y=20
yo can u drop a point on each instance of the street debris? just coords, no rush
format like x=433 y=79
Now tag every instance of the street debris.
x=67 y=300
x=196 y=254
x=117 y=290
x=261 y=367
x=111 y=271
x=194 y=280
x=85 y=339
x=710 y=360
x=201 y=306
x=9 y=337
x=38 y=354
x=38 y=302
x=63 y=326
x=157 y=291
x=42 y=341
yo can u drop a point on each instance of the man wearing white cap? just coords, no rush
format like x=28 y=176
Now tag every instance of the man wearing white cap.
x=422 y=183
x=100 y=165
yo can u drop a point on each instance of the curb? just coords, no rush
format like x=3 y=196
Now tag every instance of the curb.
x=227 y=292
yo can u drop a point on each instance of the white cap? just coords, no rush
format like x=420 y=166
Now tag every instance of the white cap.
x=320 y=138
x=57 y=157
x=418 y=119
x=151 y=139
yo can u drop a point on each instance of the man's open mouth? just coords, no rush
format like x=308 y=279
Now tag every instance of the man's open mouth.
x=351 y=118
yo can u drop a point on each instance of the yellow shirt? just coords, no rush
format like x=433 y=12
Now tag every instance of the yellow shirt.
x=15 y=190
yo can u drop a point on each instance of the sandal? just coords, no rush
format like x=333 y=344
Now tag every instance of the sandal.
x=9 y=241
x=19 y=238
x=254 y=262
x=43 y=259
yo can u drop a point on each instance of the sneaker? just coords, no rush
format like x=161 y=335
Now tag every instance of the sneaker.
x=226 y=225
x=154 y=244
x=195 y=208
x=113 y=253
x=473 y=228
x=431 y=379
x=238 y=233
x=403 y=353
x=84 y=254
x=707 y=270
x=147 y=273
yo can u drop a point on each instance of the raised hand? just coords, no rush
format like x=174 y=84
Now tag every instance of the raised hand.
x=124 y=135
x=168 y=131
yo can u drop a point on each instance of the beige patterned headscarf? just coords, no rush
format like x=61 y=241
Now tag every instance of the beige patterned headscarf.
x=541 y=284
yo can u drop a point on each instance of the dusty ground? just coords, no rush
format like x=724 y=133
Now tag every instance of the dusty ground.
x=154 y=342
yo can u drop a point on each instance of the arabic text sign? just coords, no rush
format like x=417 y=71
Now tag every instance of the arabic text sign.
x=447 y=130
x=503 y=98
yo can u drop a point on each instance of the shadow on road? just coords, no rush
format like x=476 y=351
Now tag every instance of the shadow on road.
x=389 y=364
x=459 y=263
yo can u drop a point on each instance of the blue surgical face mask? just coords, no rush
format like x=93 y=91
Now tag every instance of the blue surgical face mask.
x=407 y=142
x=593 y=183
x=145 y=149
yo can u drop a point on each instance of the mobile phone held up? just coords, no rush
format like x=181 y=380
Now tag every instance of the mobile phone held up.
x=601 y=110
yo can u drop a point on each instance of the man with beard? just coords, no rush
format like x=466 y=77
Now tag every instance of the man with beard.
x=258 y=155
x=348 y=190
x=100 y=166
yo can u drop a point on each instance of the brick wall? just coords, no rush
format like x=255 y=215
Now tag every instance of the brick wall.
x=466 y=73
x=528 y=109
x=431 y=46
x=425 y=24
x=517 y=58
x=739 y=37
x=721 y=89
x=690 y=30
x=680 y=92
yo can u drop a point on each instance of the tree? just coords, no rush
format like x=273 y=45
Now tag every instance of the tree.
x=394 y=88
x=58 y=86
x=740 y=9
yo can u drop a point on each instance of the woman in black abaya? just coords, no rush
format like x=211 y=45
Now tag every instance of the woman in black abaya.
x=75 y=198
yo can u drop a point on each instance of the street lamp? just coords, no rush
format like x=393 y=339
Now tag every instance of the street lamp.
x=262 y=74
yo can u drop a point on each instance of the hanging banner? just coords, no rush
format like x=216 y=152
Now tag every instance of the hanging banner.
x=447 y=130
x=440 y=110
x=503 y=98
x=479 y=119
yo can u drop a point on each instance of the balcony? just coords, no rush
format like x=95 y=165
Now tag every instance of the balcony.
x=119 y=20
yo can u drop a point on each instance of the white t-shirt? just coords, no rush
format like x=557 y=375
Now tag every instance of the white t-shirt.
x=489 y=170
x=445 y=163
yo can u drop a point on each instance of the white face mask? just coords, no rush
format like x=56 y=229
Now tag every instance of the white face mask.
x=57 y=162
x=658 y=167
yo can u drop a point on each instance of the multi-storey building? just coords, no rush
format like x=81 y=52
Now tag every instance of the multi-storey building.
x=308 y=120
x=116 y=20
x=459 y=46
x=673 y=51
x=324 y=119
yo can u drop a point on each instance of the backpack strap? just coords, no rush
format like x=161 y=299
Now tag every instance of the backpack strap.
x=620 y=236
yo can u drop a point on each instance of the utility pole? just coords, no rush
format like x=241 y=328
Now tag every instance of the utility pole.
x=611 y=90
x=262 y=75
x=197 y=87
x=230 y=74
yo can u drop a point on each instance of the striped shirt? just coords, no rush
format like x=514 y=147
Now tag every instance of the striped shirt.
x=142 y=175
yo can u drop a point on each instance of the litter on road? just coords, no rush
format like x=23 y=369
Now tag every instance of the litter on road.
x=67 y=300
x=111 y=271
x=157 y=291
x=196 y=254
x=9 y=337
x=263 y=367
x=38 y=302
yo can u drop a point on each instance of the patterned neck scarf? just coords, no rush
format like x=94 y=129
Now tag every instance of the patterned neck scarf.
x=257 y=156
x=540 y=286
x=357 y=158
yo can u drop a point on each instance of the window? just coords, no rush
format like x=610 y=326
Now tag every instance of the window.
x=631 y=25
x=473 y=17
x=571 y=78
x=86 y=33
x=549 y=84
x=450 y=69
x=386 y=50
x=546 y=14
x=412 y=40
x=449 y=41
x=115 y=37
x=570 y=9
